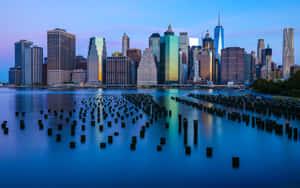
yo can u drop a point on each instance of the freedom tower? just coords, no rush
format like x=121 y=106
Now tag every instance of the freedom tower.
x=219 y=39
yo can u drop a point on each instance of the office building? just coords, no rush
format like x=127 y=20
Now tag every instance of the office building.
x=79 y=76
x=154 y=45
x=247 y=70
x=96 y=60
x=45 y=74
x=135 y=55
x=193 y=60
x=37 y=65
x=233 y=65
x=219 y=39
x=260 y=47
x=169 y=56
x=23 y=60
x=205 y=65
x=15 y=75
x=125 y=44
x=147 y=70
x=266 y=61
x=118 y=71
x=61 y=56
x=207 y=42
x=288 y=56
x=81 y=62
x=183 y=67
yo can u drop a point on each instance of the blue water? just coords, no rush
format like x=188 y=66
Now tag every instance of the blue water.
x=31 y=158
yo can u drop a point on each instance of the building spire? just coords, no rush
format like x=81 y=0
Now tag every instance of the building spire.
x=170 y=28
x=219 y=19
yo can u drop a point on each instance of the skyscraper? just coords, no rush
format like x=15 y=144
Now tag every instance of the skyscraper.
x=125 y=44
x=154 y=45
x=266 y=62
x=183 y=61
x=169 y=55
x=219 y=39
x=147 y=70
x=193 y=62
x=96 y=60
x=260 y=47
x=184 y=43
x=183 y=67
x=135 y=55
x=207 y=42
x=118 y=71
x=233 y=65
x=247 y=70
x=61 y=56
x=23 y=60
x=37 y=65
x=205 y=65
x=288 y=56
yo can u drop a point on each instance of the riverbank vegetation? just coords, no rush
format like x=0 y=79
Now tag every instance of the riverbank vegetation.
x=290 y=87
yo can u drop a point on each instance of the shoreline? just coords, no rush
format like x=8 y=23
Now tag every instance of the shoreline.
x=217 y=87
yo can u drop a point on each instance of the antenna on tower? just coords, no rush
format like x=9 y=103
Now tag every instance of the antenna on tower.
x=219 y=19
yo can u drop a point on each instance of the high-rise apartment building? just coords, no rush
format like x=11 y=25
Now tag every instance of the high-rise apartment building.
x=61 y=56
x=96 y=60
x=147 y=70
x=125 y=44
x=288 y=56
x=37 y=65
x=233 y=65
x=169 y=55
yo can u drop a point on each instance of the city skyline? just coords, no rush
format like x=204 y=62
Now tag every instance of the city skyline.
x=241 y=28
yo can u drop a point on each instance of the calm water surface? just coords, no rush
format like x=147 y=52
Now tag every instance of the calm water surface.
x=30 y=157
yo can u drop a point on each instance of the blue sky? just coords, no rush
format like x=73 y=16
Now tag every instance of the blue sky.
x=244 y=22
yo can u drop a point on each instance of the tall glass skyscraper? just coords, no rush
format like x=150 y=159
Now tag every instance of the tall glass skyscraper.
x=169 y=56
x=154 y=45
x=23 y=60
x=219 y=40
x=96 y=60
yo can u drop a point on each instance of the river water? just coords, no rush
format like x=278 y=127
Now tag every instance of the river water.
x=30 y=157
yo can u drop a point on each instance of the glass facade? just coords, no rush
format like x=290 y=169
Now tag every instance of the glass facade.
x=218 y=41
x=23 y=60
x=154 y=45
x=96 y=59
x=169 y=57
